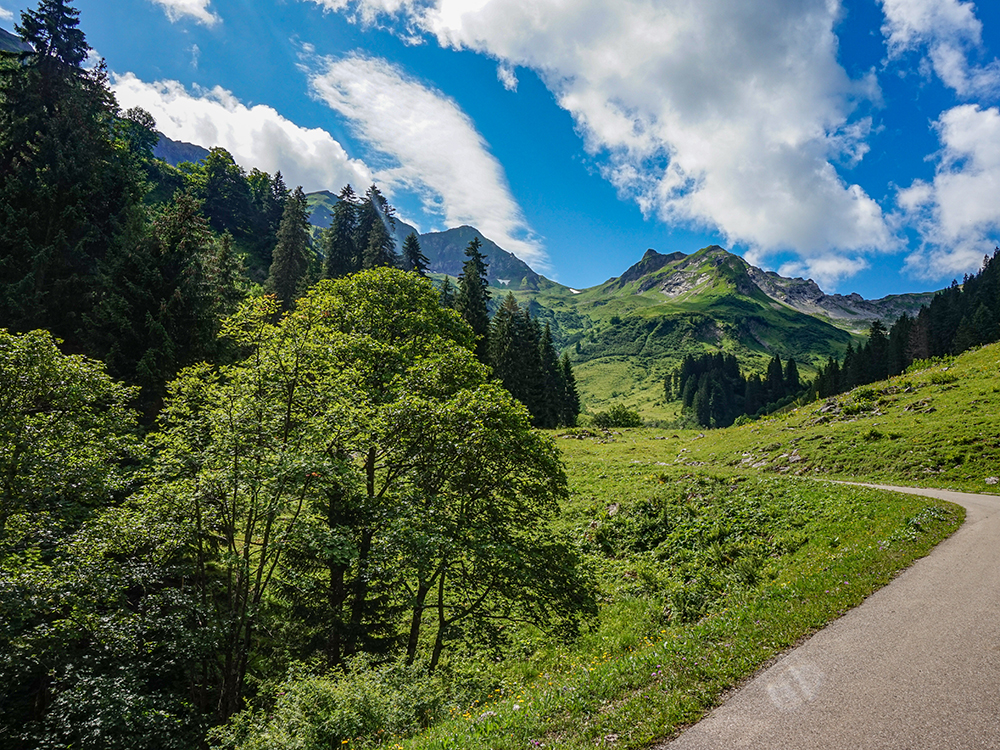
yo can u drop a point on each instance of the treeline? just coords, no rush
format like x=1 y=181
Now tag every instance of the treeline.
x=957 y=318
x=714 y=392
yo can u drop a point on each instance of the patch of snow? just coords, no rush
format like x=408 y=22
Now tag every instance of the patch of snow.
x=505 y=282
x=574 y=291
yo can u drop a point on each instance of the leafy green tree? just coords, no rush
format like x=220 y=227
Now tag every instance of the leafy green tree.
x=473 y=297
x=357 y=457
x=413 y=258
x=291 y=254
x=68 y=449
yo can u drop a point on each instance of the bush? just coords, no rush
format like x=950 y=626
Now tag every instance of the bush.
x=364 y=704
x=618 y=415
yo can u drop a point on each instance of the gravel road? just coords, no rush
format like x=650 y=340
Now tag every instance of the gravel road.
x=917 y=665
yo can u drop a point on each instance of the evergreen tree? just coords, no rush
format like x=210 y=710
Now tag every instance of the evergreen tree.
x=291 y=254
x=340 y=250
x=774 y=380
x=571 y=397
x=413 y=258
x=66 y=184
x=447 y=293
x=381 y=249
x=791 y=377
x=553 y=384
x=473 y=297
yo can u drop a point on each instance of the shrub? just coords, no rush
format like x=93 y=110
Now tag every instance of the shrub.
x=618 y=415
x=364 y=704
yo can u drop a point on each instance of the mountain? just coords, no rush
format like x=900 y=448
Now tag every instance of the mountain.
x=174 y=152
x=446 y=252
x=626 y=334
x=12 y=43
x=852 y=311
x=677 y=274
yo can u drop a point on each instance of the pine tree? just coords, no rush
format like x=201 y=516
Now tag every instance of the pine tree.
x=340 y=250
x=66 y=184
x=381 y=249
x=571 y=396
x=553 y=384
x=447 y=293
x=473 y=297
x=792 y=382
x=291 y=254
x=413 y=258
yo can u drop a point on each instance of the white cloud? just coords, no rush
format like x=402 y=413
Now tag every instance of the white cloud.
x=827 y=271
x=507 y=77
x=6 y=15
x=957 y=213
x=434 y=148
x=196 y=9
x=256 y=136
x=950 y=31
x=716 y=113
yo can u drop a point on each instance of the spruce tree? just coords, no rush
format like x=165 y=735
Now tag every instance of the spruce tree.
x=473 y=297
x=380 y=252
x=553 y=385
x=571 y=396
x=66 y=183
x=447 y=293
x=413 y=258
x=339 y=245
x=291 y=254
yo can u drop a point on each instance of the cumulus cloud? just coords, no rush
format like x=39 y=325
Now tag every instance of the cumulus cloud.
x=713 y=113
x=949 y=32
x=196 y=9
x=256 y=136
x=432 y=147
x=957 y=212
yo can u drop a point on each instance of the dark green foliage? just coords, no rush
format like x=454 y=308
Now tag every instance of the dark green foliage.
x=524 y=358
x=68 y=182
x=472 y=301
x=165 y=288
x=714 y=393
x=291 y=254
x=447 y=293
x=413 y=258
x=618 y=415
x=340 y=252
x=957 y=318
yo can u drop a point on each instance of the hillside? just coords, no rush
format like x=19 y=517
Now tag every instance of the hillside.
x=12 y=43
x=174 y=152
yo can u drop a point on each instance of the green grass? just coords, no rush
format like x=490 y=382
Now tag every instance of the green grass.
x=713 y=551
x=703 y=578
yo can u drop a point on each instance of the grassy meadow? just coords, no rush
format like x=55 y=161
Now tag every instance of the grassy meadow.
x=714 y=551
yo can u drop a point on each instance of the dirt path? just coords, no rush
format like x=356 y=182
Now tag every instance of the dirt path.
x=917 y=665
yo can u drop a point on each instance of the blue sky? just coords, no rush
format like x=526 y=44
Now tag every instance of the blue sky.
x=853 y=142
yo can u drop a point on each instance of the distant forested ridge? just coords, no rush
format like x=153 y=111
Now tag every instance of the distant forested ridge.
x=714 y=393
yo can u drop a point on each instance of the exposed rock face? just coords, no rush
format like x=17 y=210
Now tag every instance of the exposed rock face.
x=678 y=274
x=805 y=296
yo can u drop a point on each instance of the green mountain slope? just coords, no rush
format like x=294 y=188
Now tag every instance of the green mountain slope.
x=625 y=335
x=12 y=43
